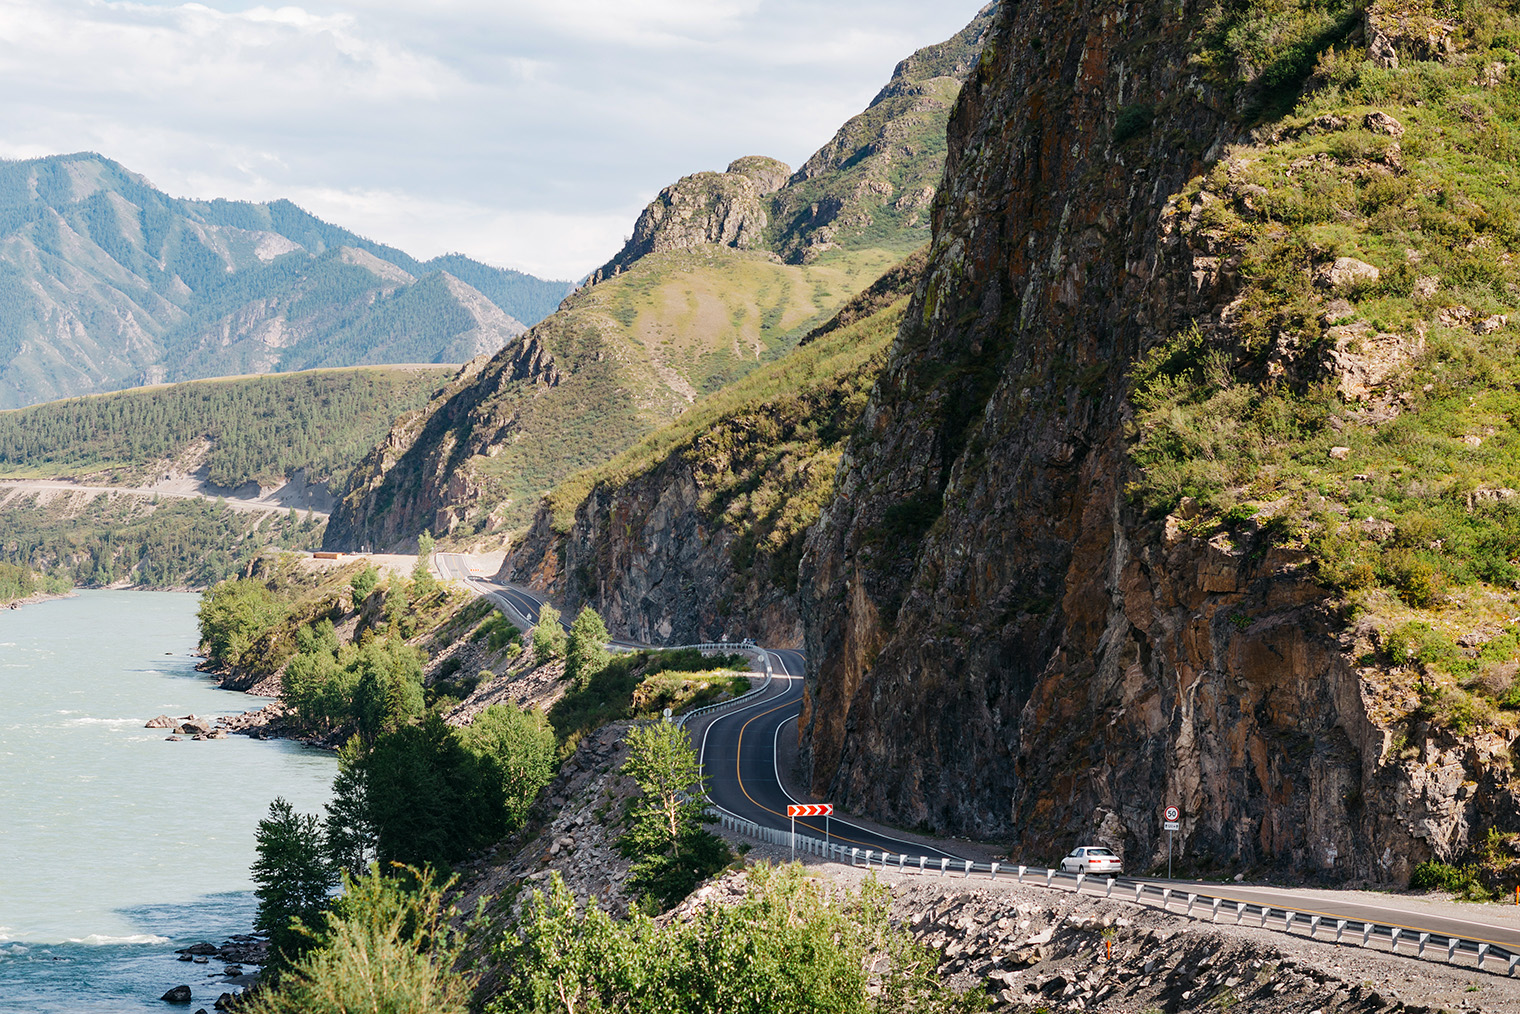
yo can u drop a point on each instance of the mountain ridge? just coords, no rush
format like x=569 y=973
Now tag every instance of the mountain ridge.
x=699 y=297
x=106 y=282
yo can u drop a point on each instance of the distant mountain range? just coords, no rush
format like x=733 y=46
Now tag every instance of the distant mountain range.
x=106 y=283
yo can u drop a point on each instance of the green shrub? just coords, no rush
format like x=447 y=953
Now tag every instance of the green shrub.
x=233 y=616
x=548 y=636
x=1418 y=641
x=791 y=944
x=586 y=647
x=1463 y=882
x=364 y=583
x=1132 y=121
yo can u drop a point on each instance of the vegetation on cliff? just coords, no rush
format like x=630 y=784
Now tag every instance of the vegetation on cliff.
x=1357 y=400
x=761 y=456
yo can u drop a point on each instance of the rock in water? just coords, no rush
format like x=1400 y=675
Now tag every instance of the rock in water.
x=161 y=722
x=179 y=994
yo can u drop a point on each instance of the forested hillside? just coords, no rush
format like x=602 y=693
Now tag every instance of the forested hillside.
x=102 y=540
x=105 y=282
x=250 y=429
x=724 y=272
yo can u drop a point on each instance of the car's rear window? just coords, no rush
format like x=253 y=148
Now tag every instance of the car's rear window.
x=1099 y=852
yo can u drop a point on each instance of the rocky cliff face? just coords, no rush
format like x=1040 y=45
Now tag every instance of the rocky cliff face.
x=412 y=481
x=694 y=533
x=999 y=641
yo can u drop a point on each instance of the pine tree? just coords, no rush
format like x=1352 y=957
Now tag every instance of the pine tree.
x=293 y=877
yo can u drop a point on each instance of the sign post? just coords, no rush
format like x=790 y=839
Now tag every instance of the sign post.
x=1172 y=824
x=795 y=810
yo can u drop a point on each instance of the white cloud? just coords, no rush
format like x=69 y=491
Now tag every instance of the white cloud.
x=526 y=132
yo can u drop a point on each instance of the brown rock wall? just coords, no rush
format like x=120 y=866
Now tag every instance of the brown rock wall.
x=999 y=644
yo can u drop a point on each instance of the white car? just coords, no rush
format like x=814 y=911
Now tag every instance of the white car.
x=1092 y=859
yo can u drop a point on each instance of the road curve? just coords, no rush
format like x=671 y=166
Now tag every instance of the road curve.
x=738 y=752
x=739 y=756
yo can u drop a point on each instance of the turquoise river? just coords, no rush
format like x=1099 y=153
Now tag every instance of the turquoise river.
x=117 y=846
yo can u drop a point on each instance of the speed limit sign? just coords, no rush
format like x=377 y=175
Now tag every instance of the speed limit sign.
x=1172 y=813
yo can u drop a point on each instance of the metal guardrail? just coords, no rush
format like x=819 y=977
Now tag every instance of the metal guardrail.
x=1335 y=929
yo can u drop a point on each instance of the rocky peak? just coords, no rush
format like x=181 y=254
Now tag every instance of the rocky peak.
x=767 y=174
x=720 y=209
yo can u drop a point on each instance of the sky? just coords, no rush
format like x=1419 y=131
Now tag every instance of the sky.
x=525 y=133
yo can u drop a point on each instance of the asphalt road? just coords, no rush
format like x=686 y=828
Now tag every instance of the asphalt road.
x=520 y=604
x=738 y=751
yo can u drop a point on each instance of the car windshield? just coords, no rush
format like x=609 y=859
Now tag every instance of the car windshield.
x=1099 y=852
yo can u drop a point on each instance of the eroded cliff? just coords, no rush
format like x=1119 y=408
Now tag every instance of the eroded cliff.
x=694 y=533
x=1007 y=635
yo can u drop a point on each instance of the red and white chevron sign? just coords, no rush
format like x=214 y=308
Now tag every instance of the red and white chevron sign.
x=810 y=810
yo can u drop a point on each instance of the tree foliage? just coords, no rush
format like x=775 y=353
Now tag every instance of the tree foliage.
x=233 y=615
x=258 y=429
x=586 y=647
x=292 y=875
x=670 y=848
x=428 y=794
x=790 y=945
x=370 y=688
x=386 y=947
x=423 y=581
x=548 y=636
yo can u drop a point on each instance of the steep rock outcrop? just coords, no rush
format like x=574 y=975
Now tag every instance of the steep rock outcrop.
x=999 y=642
x=880 y=168
x=412 y=481
x=720 y=209
x=694 y=534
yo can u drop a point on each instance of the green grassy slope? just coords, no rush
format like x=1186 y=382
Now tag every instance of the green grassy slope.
x=1359 y=403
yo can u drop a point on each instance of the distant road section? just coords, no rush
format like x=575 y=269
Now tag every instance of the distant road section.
x=270 y=503
x=520 y=604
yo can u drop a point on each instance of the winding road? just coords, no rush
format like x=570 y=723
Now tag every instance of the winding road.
x=739 y=752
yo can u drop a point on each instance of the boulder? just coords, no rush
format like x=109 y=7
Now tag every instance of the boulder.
x=161 y=722
x=1348 y=271
x=179 y=994
x=1380 y=122
x=192 y=725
